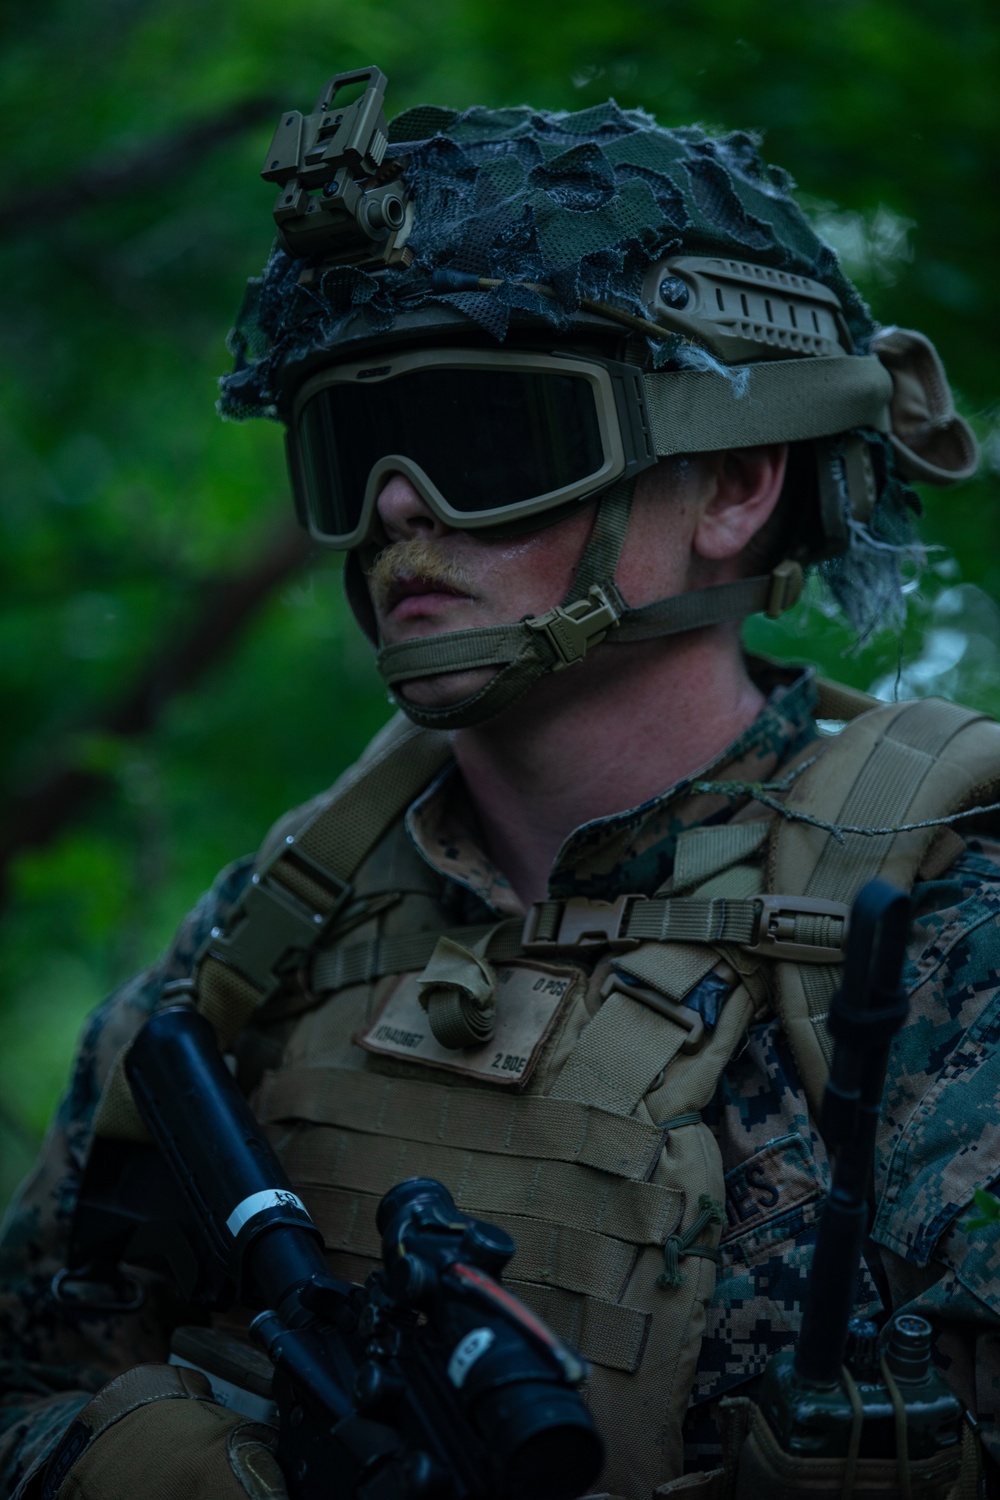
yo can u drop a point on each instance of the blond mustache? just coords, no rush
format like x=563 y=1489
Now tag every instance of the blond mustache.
x=414 y=558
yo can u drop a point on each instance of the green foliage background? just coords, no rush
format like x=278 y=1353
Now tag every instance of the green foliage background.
x=124 y=498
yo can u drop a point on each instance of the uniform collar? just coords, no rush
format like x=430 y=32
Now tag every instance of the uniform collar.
x=631 y=850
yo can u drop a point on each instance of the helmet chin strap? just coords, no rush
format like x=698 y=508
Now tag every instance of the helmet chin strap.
x=592 y=610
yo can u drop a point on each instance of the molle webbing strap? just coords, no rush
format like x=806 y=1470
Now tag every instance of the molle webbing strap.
x=596 y=1265
x=361 y=963
x=534 y=1126
x=694 y=921
x=783 y=401
x=897 y=764
x=487 y=1182
x=606 y=1333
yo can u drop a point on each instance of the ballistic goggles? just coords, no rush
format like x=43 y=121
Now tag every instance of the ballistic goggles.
x=501 y=438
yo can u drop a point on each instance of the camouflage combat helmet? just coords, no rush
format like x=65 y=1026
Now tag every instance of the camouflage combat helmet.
x=650 y=291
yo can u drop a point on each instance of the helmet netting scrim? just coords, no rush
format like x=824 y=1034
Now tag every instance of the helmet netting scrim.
x=582 y=203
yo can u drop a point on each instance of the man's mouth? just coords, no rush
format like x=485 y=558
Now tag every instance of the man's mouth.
x=409 y=586
x=415 y=570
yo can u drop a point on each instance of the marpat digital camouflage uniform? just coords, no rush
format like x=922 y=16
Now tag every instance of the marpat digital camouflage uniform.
x=938 y=1142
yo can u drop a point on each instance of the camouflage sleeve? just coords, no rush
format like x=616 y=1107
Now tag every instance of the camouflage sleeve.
x=940 y=1136
x=51 y=1364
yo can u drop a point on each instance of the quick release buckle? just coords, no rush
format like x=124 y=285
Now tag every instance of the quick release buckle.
x=272 y=928
x=572 y=629
x=774 y=934
x=579 y=925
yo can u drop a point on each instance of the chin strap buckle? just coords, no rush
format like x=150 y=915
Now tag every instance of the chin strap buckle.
x=571 y=629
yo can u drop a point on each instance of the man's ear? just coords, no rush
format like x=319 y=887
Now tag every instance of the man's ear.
x=746 y=484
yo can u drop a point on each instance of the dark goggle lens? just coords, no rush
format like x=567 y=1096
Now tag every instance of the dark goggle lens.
x=487 y=439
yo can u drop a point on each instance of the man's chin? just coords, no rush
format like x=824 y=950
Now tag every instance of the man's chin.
x=445 y=689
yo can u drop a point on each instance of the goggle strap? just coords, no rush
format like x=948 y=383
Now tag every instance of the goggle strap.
x=777 y=401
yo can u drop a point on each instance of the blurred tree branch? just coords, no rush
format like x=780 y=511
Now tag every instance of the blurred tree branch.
x=226 y=607
x=30 y=209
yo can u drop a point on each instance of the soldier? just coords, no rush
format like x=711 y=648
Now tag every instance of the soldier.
x=576 y=394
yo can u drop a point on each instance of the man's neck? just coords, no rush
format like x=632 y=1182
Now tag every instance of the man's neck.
x=600 y=738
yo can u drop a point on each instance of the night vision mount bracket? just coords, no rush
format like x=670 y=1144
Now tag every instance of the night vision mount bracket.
x=341 y=201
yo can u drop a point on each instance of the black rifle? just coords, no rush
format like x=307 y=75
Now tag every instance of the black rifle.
x=432 y=1380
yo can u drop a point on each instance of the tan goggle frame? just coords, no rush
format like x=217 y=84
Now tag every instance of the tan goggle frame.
x=617 y=393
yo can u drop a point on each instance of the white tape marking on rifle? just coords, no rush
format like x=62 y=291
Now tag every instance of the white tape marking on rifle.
x=258 y=1203
x=467 y=1352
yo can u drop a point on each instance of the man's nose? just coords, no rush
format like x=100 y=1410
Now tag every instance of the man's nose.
x=404 y=513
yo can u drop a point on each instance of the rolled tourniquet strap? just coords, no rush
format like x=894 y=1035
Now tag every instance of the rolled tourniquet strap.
x=156 y=1432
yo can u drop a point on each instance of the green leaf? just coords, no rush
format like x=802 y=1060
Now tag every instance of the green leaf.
x=989 y=1211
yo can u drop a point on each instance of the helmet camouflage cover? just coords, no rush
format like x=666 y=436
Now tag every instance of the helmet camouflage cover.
x=523 y=217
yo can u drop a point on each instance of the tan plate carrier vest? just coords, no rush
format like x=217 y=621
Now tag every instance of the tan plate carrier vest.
x=603 y=1171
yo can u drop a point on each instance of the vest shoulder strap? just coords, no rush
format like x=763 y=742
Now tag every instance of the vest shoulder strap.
x=341 y=825
x=304 y=870
x=301 y=882
x=893 y=765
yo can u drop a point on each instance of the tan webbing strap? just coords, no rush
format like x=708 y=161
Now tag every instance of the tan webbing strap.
x=485 y=1182
x=901 y=763
x=298 y=888
x=606 y=1333
x=240 y=968
x=690 y=920
x=361 y=809
x=679 y=919
x=673 y=971
x=534 y=1126
x=786 y=400
x=619 y=1054
x=770 y=593
x=576 y=1259
x=703 y=852
x=805 y=929
x=361 y=963
x=738 y=883
x=836 y=701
